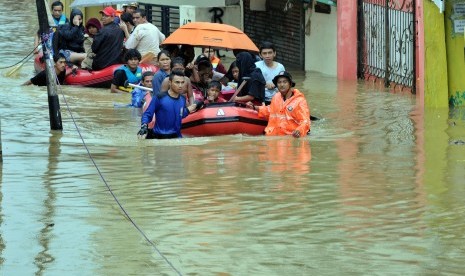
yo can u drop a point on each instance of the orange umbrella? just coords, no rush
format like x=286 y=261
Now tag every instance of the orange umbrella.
x=214 y=35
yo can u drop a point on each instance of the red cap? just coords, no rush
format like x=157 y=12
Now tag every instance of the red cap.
x=108 y=11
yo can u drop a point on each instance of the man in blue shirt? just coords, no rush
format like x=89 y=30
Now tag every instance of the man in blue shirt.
x=169 y=108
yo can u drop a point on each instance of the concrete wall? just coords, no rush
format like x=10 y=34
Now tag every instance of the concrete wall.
x=347 y=41
x=436 y=80
x=321 y=44
x=232 y=15
x=455 y=52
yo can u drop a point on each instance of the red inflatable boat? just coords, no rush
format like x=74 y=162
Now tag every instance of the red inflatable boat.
x=94 y=78
x=100 y=78
x=223 y=119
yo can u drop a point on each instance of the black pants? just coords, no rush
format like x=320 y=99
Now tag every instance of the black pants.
x=153 y=135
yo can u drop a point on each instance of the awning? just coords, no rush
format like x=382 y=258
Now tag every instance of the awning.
x=197 y=3
x=328 y=2
x=173 y=3
x=90 y=3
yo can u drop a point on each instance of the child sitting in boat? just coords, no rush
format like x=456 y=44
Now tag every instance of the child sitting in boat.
x=93 y=26
x=213 y=93
x=71 y=38
x=254 y=89
x=130 y=72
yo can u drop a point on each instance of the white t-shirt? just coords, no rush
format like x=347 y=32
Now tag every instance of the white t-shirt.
x=269 y=74
x=146 y=38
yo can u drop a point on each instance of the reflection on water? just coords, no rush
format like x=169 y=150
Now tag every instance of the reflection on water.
x=377 y=188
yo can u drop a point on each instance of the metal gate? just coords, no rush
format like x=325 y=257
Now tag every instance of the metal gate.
x=386 y=41
x=281 y=23
x=166 y=18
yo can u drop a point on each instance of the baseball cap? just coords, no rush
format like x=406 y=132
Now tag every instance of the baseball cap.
x=108 y=11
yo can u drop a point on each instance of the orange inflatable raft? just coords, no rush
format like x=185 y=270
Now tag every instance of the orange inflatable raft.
x=223 y=119
x=219 y=119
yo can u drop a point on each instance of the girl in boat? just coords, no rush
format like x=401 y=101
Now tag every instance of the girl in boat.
x=254 y=90
x=71 y=38
x=93 y=26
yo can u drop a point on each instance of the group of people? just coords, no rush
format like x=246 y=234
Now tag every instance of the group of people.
x=183 y=81
x=268 y=89
x=102 y=43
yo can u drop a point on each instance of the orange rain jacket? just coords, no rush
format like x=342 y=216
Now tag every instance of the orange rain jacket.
x=286 y=116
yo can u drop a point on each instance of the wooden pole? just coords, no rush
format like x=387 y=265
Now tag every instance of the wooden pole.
x=53 y=101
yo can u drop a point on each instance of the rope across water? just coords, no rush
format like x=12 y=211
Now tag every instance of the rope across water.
x=126 y=214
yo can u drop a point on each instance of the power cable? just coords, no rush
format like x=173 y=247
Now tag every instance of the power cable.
x=126 y=214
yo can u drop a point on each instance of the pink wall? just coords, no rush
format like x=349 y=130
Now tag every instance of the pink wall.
x=347 y=40
x=420 y=55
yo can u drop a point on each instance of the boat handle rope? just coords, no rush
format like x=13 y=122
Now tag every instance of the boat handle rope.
x=28 y=55
x=126 y=214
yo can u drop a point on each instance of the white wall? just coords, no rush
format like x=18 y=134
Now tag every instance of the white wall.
x=321 y=44
x=232 y=16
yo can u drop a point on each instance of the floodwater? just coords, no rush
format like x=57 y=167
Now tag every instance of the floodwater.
x=376 y=189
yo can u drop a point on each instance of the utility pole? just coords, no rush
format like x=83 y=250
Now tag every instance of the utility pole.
x=1 y=152
x=43 y=12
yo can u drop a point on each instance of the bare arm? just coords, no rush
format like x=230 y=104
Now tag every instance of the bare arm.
x=124 y=27
x=161 y=36
x=114 y=89
x=190 y=93
x=165 y=85
x=28 y=82
x=245 y=98
x=192 y=108
x=37 y=42
x=132 y=40
x=195 y=74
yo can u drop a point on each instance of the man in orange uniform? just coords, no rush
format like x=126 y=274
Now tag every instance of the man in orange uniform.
x=288 y=113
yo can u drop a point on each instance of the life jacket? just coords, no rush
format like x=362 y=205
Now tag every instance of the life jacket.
x=60 y=21
x=215 y=61
x=133 y=78
x=285 y=116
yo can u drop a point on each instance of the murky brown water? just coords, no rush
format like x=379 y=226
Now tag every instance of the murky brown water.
x=377 y=188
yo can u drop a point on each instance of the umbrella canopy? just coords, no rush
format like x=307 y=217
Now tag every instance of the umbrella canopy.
x=89 y=3
x=214 y=35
